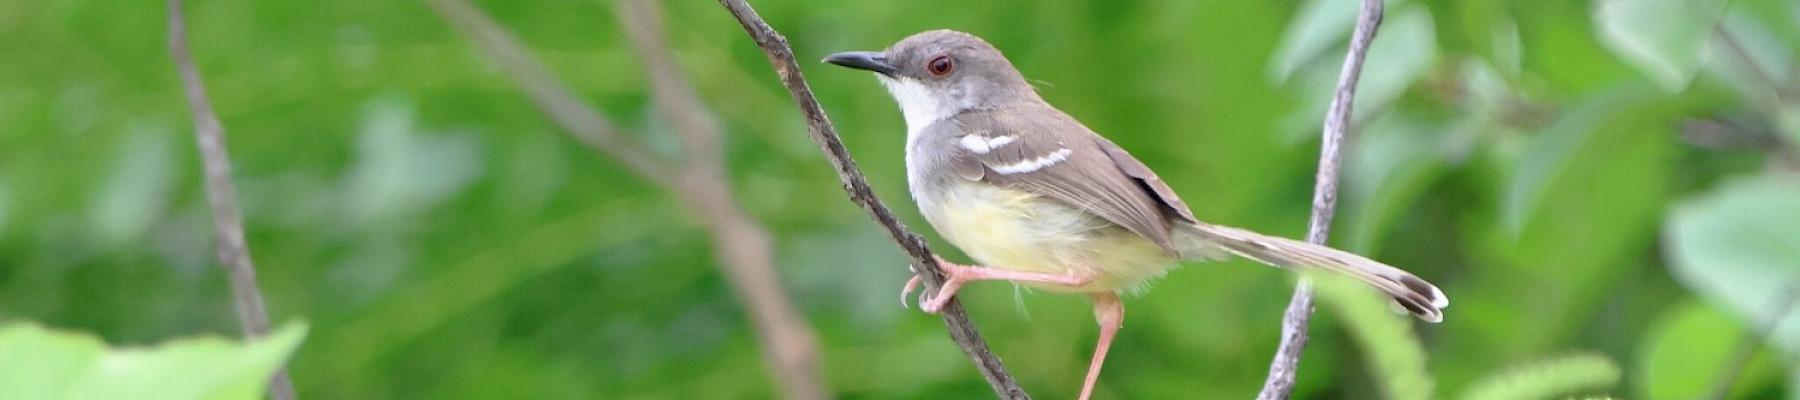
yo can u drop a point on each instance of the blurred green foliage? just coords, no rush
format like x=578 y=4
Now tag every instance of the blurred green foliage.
x=1549 y=164
x=1385 y=337
x=1547 y=379
x=1397 y=359
x=52 y=365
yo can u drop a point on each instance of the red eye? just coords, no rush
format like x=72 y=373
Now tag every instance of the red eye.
x=940 y=65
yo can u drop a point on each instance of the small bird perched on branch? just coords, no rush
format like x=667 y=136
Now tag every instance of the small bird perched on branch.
x=1040 y=200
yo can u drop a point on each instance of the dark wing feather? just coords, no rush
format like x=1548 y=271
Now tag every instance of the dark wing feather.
x=1094 y=174
x=1144 y=176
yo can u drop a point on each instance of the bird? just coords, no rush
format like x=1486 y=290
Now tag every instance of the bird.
x=1036 y=198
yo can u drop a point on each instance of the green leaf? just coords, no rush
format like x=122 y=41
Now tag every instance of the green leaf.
x=1748 y=55
x=1402 y=53
x=1389 y=168
x=1663 y=38
x=1507 y=51
x=1685 y=350
x=1596 y=141
x=1385 y=336
x=40 y=363
x=1547 y=379
x=1575 y=218
x=1551 y=153
x=131 y=199
x=1491 y=32
x=1319 y=26
x=1739 y=246
x=401 y=170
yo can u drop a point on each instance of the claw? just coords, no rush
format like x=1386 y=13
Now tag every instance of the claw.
x=911 y=284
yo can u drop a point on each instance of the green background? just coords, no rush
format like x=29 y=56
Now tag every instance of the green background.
x=1613 y=177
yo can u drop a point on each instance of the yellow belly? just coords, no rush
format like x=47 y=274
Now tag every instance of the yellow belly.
x=1017 y=230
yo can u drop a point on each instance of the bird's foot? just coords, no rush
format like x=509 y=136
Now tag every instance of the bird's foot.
x=955 y=275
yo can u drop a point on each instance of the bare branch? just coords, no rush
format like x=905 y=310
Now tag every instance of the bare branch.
x=740 y=242
x=221 y=195
x=674 y=97
x=742 y=245
x=550 y=94
x=1280 y=382
x=819 y=127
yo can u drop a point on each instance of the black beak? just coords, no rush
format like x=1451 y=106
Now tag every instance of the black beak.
x=863 y=60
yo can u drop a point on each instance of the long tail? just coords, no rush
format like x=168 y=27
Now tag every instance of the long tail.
x=1417 y=296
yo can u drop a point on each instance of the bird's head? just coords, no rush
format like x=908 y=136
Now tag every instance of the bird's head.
x=941 y=73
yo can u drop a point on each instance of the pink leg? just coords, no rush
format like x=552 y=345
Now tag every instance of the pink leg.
x=1110 y=313
x=958 y=274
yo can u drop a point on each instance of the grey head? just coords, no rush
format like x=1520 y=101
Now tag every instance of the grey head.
x=938 y=74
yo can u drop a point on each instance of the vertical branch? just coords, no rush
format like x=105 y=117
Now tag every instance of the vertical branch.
x=819 y=127
x=743 y=246
x=1280 y=382
x=228 y=225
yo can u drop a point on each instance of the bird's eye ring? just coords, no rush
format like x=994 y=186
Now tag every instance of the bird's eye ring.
x=940 y=65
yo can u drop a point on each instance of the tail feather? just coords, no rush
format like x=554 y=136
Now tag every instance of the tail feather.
x=1418 y=297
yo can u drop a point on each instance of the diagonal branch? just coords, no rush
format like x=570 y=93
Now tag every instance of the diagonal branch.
x=739 y=240
x=1280 y=382
x=742 y=245
x=673 y=96
x=550 y=94
x=819 y=127
x=221 y=196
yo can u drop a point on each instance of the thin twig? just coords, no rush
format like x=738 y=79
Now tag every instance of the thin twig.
x=674 y=97
x=550 y=93
x=221 y=195
x=1753 y=339
x=819 y=127
x=742 y=245
x=1280 y=382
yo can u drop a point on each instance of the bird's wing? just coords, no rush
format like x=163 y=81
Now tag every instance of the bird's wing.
x=1046 y=152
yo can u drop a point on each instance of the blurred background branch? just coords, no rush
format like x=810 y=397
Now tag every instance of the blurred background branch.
x=221 y=195
x=699 y=180
x=551 y=95
x=1280 y=382
x=962 y=331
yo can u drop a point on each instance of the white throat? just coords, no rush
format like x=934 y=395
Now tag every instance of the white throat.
x=921 y=107
x=918 y=104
